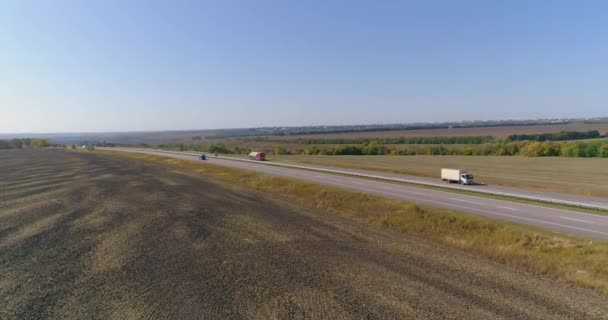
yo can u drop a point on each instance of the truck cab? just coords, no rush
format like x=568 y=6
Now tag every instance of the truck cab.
x=467 y=178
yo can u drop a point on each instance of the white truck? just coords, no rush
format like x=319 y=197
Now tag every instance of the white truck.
x=457 y=175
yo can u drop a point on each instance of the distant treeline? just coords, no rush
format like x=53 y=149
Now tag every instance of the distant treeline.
x=559 y=136
x=211 y=148
x=24 y=143
x=526 y=148
x=402 y=140
x=502 y=148
x=286 y=131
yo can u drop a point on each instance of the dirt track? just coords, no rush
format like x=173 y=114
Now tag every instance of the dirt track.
x=86 y=236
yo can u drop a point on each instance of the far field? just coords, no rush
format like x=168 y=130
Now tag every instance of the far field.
x=583 y=176
x=91 y=236
x=499 y=132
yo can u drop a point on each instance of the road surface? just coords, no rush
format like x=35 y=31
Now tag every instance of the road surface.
x=551 y=197
x=569 y=221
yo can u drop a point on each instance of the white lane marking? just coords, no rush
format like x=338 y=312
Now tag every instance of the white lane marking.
x=359 y=183
x=467 y=201
x=511 y=216
x=404 y=191
x=508 y=208
x=600 y=203
x=522 y=218
x=533 y=205
x=414 y=192
x=585 y=221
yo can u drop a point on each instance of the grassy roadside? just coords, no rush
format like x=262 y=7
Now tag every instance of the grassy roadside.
x=473 y=193
x=537 y=203
x=577 y=176
x=567 y=258
x=439 y=188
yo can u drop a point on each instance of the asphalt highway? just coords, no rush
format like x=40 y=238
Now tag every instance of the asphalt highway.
x=560 y=220
x=560 y=198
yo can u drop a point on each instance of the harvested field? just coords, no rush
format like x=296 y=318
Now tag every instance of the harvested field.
x=499 y=132
x=85 y=236
x=581 y=176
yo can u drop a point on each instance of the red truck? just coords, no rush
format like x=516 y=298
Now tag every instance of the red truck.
x=259 y=156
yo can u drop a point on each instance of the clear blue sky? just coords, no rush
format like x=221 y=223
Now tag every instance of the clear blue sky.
x=146 y=65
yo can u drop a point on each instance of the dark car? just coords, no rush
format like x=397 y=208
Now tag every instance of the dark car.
x=203 y=157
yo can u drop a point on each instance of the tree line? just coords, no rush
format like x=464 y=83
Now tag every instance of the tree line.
x=24 y=143
x=286 y=131
x=501 y=148
x=400 y=140
x=558 y=136
x=211 y=148
x=527 y=149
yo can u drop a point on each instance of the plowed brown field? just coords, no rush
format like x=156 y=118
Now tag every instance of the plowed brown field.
x=87 y=236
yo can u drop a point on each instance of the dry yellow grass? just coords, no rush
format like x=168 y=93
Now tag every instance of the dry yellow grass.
x=568 y=258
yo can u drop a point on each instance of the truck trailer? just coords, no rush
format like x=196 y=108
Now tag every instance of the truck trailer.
x=259 y=156
x=461 y=176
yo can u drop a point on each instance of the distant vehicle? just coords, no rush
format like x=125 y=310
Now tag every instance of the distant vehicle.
x=259 y=156
x=203 y=157
x=457 y=175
